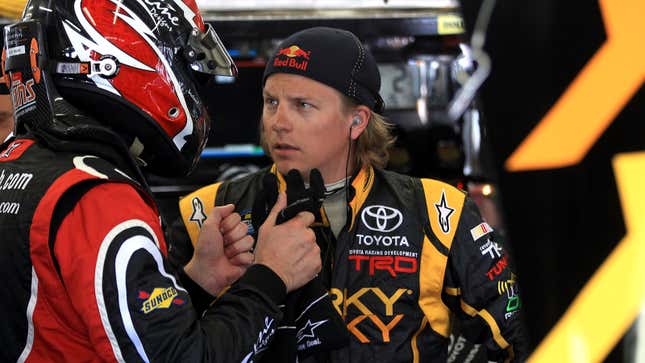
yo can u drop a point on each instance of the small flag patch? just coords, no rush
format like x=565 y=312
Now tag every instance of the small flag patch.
x=480 y=231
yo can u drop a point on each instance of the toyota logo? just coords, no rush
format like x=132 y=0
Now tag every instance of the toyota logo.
x=381 y=218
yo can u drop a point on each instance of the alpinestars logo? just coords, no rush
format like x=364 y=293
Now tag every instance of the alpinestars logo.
x=444 y=213
x=198 y=215
x=307 y=331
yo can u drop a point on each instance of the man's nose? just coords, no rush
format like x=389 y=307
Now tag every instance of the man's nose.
x=281 y=119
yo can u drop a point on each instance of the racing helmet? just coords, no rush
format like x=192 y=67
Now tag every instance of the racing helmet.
x=138 y=67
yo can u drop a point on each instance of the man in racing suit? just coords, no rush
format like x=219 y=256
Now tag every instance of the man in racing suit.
x=402 y=256
x=83 y=257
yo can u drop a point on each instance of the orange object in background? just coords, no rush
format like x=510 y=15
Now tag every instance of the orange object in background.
x=594 y=98
x=6 y=117
x=12 y=9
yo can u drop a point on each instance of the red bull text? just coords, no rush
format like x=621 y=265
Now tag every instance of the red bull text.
x=293 y=54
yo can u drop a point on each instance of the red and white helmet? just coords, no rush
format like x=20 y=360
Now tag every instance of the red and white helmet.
x=137 y=66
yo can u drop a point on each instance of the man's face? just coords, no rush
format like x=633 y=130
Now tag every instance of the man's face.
x=304 y=126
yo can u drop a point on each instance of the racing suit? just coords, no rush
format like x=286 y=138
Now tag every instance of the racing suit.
x=413 y=255
x=86 y=277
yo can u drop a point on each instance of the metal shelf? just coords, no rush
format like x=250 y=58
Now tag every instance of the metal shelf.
x=365 y=24
x=247 y=5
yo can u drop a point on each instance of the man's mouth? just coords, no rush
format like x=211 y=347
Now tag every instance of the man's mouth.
x=284 y=147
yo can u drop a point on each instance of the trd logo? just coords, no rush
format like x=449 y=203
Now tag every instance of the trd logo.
x=391 y=264
x=342 y=302
x=380 y=218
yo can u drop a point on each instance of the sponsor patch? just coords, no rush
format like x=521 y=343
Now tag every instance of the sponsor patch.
x=159 y=298
x=11 y=154
x=380 y=311
x=501 y=264
x=264 y=338
x=296 y=58
x=247 y=219
x=444 y=212
x=13 y=51
x=508 y=285
x=512 y=292
x=380 y=218
x=14 y=181
x=387 y=241
x=480 y=231
x=198 y=215
x=514 y=302
x=492 y=249
x=295 y=51
x=391 y=264
x=23 y=95
x=307 y=331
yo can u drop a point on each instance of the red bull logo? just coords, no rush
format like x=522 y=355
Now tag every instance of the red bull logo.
x=159 y=298
x=292 y=53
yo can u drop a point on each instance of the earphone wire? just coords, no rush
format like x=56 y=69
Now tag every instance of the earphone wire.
x=349 y=152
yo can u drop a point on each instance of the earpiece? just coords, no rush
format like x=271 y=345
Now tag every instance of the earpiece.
x=356 y=121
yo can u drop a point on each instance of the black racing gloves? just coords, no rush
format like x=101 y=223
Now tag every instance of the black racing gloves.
x=299 y=198
x=310 y=324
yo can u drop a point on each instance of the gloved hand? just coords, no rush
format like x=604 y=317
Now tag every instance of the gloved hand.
x=298 y=197
x=310 y=323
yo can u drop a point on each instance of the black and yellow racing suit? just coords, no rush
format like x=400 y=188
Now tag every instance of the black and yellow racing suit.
x=414 y=255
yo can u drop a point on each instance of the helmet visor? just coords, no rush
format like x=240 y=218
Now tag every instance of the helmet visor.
x=206 y=54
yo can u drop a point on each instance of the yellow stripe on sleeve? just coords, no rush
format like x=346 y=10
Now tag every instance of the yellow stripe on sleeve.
x=195 y=207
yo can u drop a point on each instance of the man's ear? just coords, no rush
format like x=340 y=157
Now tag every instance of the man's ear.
x=359 y=119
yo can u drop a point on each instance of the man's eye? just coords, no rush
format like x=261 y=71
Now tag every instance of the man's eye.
x=305 y=105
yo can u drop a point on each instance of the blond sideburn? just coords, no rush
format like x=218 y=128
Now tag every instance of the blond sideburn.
x=372 y=147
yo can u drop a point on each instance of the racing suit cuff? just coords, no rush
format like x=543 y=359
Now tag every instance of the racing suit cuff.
x=262 y=278
x=201 y=298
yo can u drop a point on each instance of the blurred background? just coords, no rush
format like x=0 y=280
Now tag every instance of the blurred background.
x=564 y=220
